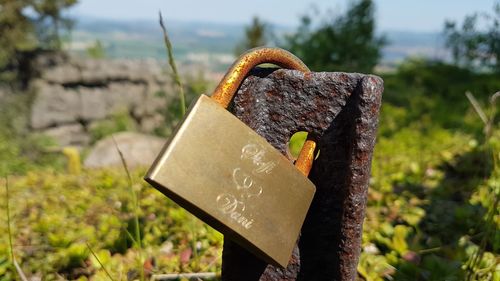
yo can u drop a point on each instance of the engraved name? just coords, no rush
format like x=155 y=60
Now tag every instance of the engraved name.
x=257 y=154
x=232 y=203
x=232 y=207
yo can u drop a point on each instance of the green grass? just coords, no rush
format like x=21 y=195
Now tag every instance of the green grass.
x=55 y=215
x=432 y=209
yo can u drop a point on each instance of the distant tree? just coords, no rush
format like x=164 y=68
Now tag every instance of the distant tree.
x=27 y=26
x=96 y=51
x=51 y=20
x=16 y=35
x=472 y=47
x=339 y=43
x=256 y=34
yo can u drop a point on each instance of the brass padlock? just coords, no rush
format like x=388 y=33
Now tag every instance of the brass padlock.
x=227 y=175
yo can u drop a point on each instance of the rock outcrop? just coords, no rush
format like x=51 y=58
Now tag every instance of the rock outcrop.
x=73 y=95
x=137 y=149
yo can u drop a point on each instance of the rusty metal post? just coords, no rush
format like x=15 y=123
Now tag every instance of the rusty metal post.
x=340 y=110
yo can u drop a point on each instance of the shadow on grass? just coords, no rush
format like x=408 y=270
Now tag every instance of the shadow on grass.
x=449 y=216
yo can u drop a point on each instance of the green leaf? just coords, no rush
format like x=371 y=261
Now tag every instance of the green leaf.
x=399 y=240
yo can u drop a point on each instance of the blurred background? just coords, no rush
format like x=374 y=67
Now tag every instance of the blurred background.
x=74 y=73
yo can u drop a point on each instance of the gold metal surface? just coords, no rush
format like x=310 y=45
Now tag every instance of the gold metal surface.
x=233 y=179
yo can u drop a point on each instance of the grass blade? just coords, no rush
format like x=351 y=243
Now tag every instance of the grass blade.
x=9 y=231
x=122 y=159
x=137 y=231
x=19 y=270
x=477 y=107
x=171 y=62
x=99 y=261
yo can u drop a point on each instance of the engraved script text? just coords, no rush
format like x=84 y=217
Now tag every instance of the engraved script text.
x=232 y=203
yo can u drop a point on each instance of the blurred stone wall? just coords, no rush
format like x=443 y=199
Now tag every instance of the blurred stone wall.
x=73 y=95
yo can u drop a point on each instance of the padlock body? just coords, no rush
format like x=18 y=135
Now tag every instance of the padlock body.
x=223 y=172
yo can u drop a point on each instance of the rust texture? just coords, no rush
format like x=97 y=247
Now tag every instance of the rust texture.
x=243 y=65
x=228 y=86
x=305 y=159
x=340 y=111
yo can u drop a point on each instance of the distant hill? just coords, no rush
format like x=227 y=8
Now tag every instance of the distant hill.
x=403 y=44
x=212 y=44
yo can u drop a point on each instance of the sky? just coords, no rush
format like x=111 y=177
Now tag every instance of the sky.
x=408 y=15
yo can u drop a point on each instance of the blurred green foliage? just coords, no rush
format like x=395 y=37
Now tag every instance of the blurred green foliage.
x=120 y=121
x=296 y=142
x=28 y=26
x=432 y=209
x=431 y=212
x=433 y=201
x=345 y=42
x=54 y=215
x=194 y=85
x=257 y=34
x=97 y=50
x=476 y=42
x=433 y=93
x=21 y=151
x=49 y=20
x=17 y=36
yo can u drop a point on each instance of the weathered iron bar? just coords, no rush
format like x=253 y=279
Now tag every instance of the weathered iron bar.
x=340 y=111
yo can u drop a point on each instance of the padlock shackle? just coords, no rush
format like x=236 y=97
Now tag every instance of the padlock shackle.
x=306 y=157
x=229 y=85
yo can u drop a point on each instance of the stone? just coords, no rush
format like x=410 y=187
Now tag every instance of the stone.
x=155 y=100
x=54 y=105
x=149 y=123
x=68 y=135
x=138 y=150
x=98 y=72
x=74 y=91
x=93 y=103
x=142 y=70
x=62 y=74
x=124 y=96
